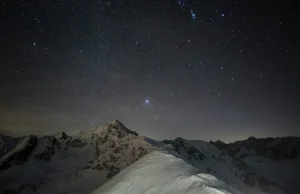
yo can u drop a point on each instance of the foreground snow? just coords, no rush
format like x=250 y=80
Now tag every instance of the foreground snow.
x=163 y=172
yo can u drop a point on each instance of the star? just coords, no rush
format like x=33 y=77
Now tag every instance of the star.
x=193 y=14
x=190 y=56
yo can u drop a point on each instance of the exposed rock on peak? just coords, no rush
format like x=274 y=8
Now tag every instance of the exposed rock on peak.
x=117 y=124
x=107 y=133
x=6 y=144
x=251 y=138
x=61 y=136
x=115 y=147
x=219 y=144
x=184 y=148
x=47 y=145
x=121 y=129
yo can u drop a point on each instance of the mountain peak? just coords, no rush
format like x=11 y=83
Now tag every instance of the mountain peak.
x=120 y=127
x=61 y=136
x=117 y=125
x=252 y=138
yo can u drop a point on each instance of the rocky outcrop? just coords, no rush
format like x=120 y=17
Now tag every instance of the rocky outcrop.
x=61 y=136
x=185 y=149
x=253 y=160
x=3 y=148
x=20 y=153
x=47 y=147
x=115 y=147
x=219 y=144
x=7 y=143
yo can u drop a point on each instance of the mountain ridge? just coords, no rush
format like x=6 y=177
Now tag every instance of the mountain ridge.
x=60 y=163
x=104 y=150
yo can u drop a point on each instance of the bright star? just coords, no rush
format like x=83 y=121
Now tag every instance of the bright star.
x=193 y=14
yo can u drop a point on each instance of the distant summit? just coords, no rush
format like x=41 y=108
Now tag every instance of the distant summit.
x=274 y=148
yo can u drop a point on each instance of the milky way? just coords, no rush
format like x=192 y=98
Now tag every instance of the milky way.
x=196 y=69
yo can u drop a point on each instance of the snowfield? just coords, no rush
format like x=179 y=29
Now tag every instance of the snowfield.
x=163 y=172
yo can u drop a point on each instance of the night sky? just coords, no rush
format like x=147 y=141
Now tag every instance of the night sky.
x=210 y=69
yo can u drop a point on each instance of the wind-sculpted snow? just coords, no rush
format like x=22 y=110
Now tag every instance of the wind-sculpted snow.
x=162 y=172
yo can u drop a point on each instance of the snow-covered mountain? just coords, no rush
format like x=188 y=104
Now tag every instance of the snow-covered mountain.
x=69 y=164
x=272 y=162
x=115 y=160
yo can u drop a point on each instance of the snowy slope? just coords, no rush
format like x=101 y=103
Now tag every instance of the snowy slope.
x=285 y=173
x=195 y=167
x=275 y=160
x=231 y=170
x=163 y=172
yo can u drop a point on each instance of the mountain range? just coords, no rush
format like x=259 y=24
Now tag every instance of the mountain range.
x=113 y=159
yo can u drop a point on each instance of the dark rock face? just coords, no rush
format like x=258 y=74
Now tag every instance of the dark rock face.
x=121 y=130
x=61 y=136
x=115 y=147
x=3 y=148
x=77 y=143
x=20 y=153
x=274 y=148
x=50 y=145
x=34 y=186
x=112 y=172
x=168 y=141
x=7 y=143
x=10 y=191
x=219 y=144
x=181 y=146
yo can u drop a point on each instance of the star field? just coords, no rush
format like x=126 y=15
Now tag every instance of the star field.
x=196 y=69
